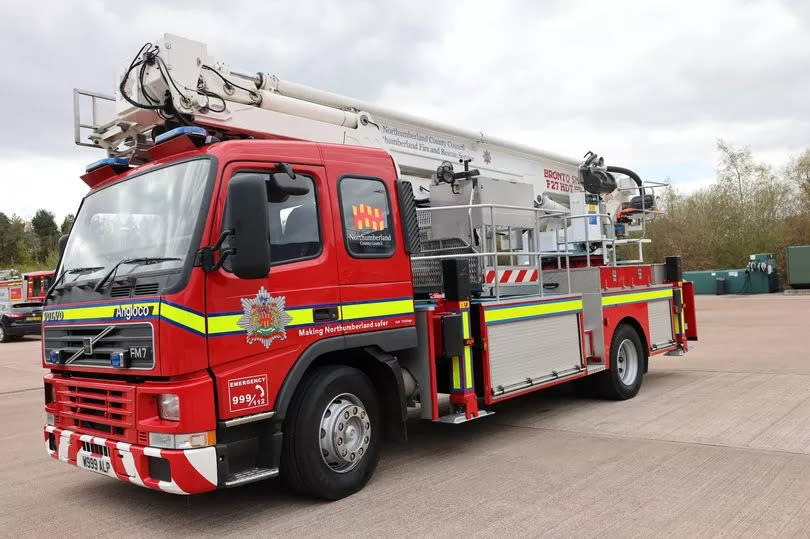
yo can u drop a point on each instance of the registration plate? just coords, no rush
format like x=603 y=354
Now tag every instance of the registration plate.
x=34 y=318
x=100 y=465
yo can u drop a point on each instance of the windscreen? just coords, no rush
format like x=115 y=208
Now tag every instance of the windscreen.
x=150 y=215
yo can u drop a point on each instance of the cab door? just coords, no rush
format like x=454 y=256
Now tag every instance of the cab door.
x=257 y=328
x=376 y=290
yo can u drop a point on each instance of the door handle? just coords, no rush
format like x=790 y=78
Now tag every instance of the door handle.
x=323 y=314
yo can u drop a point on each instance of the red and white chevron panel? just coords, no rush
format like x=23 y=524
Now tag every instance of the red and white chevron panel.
x=193 y=471
x=513 y=276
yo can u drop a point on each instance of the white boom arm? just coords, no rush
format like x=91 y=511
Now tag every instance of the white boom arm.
x=206 y=92
x=176 y=82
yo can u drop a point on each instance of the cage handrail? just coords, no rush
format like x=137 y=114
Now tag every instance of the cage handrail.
x=540 y=215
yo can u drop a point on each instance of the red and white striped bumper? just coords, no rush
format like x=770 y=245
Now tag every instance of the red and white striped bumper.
x=513 y=276
x=193 y=471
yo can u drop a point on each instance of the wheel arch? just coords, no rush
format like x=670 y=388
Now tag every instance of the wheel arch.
x=372 y=354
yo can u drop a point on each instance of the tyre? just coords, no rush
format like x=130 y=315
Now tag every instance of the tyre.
x=623 y=379
x=3 y=334
x=332 y=434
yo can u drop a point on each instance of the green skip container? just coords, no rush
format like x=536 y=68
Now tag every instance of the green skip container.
x=798 y=266
x=759 y=277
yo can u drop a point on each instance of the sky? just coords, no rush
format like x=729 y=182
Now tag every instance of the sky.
x=651 y=85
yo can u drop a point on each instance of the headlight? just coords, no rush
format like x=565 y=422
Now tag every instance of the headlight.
x=182 y=441
x=169 y=406
x=49 y=418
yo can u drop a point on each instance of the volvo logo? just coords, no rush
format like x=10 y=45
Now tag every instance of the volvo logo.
x=88 y=343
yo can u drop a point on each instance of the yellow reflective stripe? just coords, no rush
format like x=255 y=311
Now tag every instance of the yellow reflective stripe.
x=183 y=317
x=537 y=309
x=100 y=312
x=355 y=311
x=456 y=374
x=300 y=317
x=620 y=299
x=468 y=377
x=468 y=367
x=228 y=323
x=676 y=320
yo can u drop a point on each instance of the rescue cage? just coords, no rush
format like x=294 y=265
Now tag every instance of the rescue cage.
x=495 y=272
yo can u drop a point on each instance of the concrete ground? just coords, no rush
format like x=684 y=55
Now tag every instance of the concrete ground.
x=716 y=443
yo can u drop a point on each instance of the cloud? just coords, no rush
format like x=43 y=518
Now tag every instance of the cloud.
x=650 y=85
x=32 y=181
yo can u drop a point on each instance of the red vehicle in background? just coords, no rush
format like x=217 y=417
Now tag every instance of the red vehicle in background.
x=36 y=284
x=12 y=289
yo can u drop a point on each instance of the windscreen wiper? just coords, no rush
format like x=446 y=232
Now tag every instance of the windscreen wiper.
x=144 y=260
x=69 y=271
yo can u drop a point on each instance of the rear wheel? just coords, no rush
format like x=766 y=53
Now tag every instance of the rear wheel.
x=623 y=379
x=332 y=434
x=3 y=334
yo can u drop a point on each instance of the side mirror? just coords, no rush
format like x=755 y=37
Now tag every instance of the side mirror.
x=283 y=185
x=248 y=219
x=62 y=244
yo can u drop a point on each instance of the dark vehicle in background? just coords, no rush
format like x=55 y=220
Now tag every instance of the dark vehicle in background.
x=20 y=319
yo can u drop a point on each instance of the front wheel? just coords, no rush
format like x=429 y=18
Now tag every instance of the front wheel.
x=623 y=379
x=332 y=434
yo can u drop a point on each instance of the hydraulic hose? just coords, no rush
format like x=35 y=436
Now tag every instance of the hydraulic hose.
x=627 y=172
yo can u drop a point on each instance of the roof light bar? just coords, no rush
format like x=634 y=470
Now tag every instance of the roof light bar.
x=111 y=161
x=191 y=131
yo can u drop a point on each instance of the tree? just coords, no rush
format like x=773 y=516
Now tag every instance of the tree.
x=749 y=209
x=736 y=167
x=46 y=232
x=798 y=172
x=5 y=239
x=21 y=241
x=67 y=224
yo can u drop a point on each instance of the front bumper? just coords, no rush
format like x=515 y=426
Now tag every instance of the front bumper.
x=191 y=471
x=20 y=330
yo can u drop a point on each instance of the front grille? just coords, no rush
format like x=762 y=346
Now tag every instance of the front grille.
x=126 y=291
x=147 y=289
x=105 y=409
x=120 y=291
x=136 y=339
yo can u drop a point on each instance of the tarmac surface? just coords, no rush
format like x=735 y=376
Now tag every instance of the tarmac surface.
x=716 y=443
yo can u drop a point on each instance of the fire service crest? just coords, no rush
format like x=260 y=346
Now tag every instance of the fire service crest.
x=264 y=319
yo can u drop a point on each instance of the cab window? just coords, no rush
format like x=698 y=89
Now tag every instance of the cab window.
x=294 y=226
x=367 y=222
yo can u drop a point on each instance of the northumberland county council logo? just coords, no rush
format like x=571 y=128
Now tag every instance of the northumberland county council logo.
x=264 y=319
x=368 y=217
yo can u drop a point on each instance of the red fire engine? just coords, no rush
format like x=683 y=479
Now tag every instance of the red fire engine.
x=266 y=278
x=12 y=289
x=36 y=283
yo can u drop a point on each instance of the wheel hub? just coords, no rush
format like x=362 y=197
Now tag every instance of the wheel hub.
x=345 y=433
x=627 y=362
